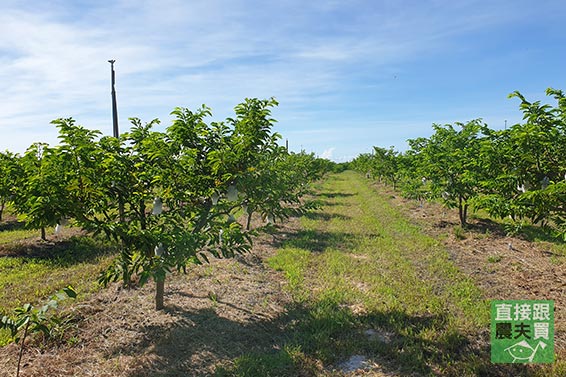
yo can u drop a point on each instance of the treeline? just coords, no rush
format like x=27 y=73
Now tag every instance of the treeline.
x=170 y=198
x=518 y=172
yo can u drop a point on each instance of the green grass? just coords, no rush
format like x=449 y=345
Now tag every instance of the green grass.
x=283 y=363
x=10 y=236
x=359 y=265
x=75 y=262
x=292 y=262
x=494 y=258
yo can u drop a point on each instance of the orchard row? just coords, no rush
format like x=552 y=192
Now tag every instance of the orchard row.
x=518 y=172
x=170 y=198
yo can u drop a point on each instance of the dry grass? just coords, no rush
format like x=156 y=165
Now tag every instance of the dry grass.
x=212 y=315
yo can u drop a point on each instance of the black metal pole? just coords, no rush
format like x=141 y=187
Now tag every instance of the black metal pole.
x=116 y=131
x=114 y=105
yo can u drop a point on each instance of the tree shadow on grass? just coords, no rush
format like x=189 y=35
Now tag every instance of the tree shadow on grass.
x=12 y=225
x=323 y=216
x=334 y=195
x=537 y=233
x=326 y=203
x=306 y=340
x=325 y=199
x=316 y=241
x=63 y=253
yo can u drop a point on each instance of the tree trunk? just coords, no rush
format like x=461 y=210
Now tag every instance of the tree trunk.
x=23 y=340
x=462 y=212
x=1 y=210
x=43 y=237
x=159 y=293
x=249 y=221
x=142 y=215
x=121 y=210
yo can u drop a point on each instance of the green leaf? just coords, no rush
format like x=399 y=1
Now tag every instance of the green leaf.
x=144 y=277
x=70 y=292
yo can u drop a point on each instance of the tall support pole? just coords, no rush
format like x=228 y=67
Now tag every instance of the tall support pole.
x=115 y=130
x=114 y=105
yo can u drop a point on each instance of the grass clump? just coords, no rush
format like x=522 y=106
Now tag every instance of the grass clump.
x=282 y=363
x=459 y=232
x=293 y=262
x=494 y=258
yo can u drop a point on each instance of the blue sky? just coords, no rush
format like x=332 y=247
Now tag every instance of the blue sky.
x=348 y=74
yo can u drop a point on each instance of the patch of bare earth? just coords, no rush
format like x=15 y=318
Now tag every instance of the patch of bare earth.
x=504 y=267
x=212 y=315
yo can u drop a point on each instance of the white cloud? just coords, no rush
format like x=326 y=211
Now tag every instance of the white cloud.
x=328 y=153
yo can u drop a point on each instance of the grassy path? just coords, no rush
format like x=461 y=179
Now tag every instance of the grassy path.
x=378 y=290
